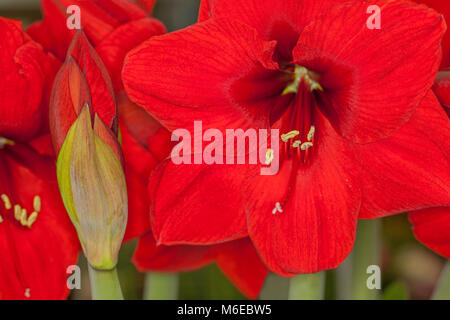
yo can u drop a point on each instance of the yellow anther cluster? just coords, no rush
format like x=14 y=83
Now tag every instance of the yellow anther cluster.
x=21 y=214
x=297 y=143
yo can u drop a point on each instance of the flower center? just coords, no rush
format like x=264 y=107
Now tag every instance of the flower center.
x=297 y=129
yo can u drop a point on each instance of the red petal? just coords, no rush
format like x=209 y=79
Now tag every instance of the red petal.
x=431 y=227
x=198 y=75
x=99 y=18
x=97 y=77
x=367 y=74
x=52 y=32
x=150 y=257
x=316 y=228
x=138 y=205
x=282 y=21
x=34 y=258
x=114 y=47
x=241 y=264
x=197 y=204
x=25 y=69
x=237 y=260
x=70 y=92
x=442 y=7
x=409 y=170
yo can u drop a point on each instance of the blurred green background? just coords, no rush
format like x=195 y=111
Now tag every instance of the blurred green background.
x=409 y=270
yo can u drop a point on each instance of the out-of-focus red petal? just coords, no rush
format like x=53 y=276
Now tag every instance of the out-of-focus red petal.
x=320 y=202
x=27 y=73
x=150 y=257
x=114 y=47
x=241 y=264
x=138 y=205
x=237 y=259
x=52 y=32
x=431 y=227
x=148 y=5
x=409 y=170
x=366 y=74
x=196 y=80
x=34 y=260
x=197 y=204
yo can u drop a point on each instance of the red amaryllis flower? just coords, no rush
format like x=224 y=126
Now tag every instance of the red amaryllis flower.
x=113 y=27
x=375 y=134
x=37 y=241
x=146 y=144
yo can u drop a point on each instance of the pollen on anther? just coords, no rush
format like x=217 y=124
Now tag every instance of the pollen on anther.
x=311 y=132
x=27 y=293
x=23 y=217
x=306 y=145
x=1 y=219
x=269 y=156
x=4 y=142
x=17 y=211
x=296 y=144
x=31 y=219
x=291 y=134
x=6 y=201
x=37 y=203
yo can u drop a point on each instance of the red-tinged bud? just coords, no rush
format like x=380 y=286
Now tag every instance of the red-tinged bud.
x=84 y=127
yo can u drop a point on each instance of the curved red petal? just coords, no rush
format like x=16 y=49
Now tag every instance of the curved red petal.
x=431 y=227
x=198 y=75
x=196 y=204
x=150 y=257
x=240 y=262
x=114 y=47
x=25 y=68
x=409 y=170
x=443 y=7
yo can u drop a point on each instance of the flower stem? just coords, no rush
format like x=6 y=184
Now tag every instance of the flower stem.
x=307 y=287
x=105 y=284
x=442 y=291
x=161 y=286
x=366 y=252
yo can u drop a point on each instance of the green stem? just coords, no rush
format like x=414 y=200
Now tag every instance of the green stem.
x=105 y=284
x=344 y=279
x=307 y=286
x=442 y=291
x=366 y=252
x=161 y=286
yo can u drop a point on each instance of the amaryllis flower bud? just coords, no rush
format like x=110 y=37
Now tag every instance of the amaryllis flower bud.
x=93 y=188
x=84 y=127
